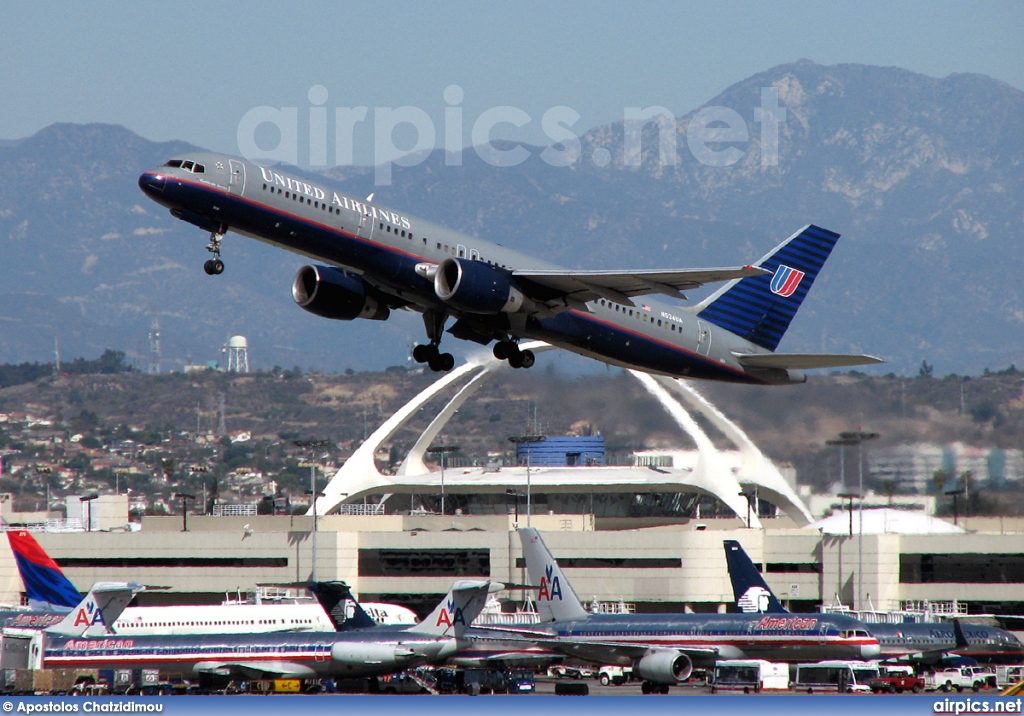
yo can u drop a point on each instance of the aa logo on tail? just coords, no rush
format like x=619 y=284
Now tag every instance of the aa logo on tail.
x=89 y=615
x=550 y=588
x=449 y=615
x=786 y=281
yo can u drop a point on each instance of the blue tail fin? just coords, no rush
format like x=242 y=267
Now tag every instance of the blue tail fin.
x=760 y=308
x=335 y=598
x=748 y=586
x=45 y=585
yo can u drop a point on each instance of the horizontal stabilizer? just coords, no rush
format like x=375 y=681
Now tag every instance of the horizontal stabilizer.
x=803 y=361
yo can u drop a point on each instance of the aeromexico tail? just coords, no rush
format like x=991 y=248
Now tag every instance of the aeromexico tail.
x=924 y=642
x=662 y=648
x=374 y=260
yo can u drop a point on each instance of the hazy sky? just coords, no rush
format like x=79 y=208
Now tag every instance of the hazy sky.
x=192 y=70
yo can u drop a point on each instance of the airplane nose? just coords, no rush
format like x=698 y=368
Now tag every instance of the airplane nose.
x=152 y=184
x=870 y=651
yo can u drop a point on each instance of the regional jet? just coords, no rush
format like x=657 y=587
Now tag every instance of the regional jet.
x=297 y=655
x=48 y=589
x=921 y=642
x=663 y=648
x=373 y=260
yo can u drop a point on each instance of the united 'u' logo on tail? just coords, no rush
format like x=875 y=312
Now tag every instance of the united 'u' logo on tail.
x=549 y=585
x=786 y=281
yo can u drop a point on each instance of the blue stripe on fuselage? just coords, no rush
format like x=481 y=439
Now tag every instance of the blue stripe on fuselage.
x=386 y=263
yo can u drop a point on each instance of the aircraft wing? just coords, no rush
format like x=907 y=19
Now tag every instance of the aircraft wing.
x=577 y=287
x=803 y=361
x=609 y=652
x=255 y=669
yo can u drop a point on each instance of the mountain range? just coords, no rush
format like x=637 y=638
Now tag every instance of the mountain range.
x=922 y=176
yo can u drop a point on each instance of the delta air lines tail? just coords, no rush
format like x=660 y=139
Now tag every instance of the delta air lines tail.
x=45 y=585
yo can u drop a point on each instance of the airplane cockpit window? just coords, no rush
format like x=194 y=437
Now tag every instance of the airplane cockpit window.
x=190 y=166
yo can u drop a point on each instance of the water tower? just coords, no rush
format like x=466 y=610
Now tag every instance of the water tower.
x=238 y=354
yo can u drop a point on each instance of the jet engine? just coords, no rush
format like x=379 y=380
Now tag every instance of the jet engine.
x=664 y=667
x=367 y=655
x=332 y=293
x=475 y=287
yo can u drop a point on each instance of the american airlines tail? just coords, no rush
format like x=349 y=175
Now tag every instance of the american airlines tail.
x=463 y=603
x=751 y=592
x=556 y=601
x=45 y=585
x=98 y=610
x=760 y=308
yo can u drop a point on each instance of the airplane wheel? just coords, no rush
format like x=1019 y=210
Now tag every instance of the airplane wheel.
x=218 y=267
x=446 y=361
x=528 y=359
x=208 y=268
x=645 y=688
x=516 y=360
x=422 y=353
x=501 y=349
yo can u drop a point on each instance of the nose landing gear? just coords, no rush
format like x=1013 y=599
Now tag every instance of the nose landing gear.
x=214 y=266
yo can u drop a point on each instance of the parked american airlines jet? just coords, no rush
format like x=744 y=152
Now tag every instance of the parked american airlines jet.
x=375 y=260
x=48 y=589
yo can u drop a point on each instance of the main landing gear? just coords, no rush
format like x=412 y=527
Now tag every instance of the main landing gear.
x=509 y=350
x=429 y=354
x=434 y=322
x=214 y=266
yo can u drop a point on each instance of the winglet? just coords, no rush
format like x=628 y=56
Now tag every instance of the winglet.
x=750 y=591
x=334 y=597
x=556 y=600
x=960 y=638
x=100 y=609
x=45 y=584
x=463 y=603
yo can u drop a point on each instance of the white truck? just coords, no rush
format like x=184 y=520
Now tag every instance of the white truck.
x=959 y=678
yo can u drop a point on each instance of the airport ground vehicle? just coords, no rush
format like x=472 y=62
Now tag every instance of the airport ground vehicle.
x=567 y=671
x=521 y=681
x=896 y=680
x=960 y=678
x=1009 y=674
x=749 y=675
x=611 y=674
x=841 y=676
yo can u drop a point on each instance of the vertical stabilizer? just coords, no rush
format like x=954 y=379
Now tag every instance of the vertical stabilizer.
x=760 y=308
x=556 y=600
x=45 y=585
x=98 y=610
x=335 y=598
x=748 y=586
x=458 y=609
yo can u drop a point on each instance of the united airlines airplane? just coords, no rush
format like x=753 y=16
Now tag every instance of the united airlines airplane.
x=662 y=648
x=923 y=642
x=373 y=260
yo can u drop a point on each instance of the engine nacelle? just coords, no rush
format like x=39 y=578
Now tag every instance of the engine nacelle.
x=475 y=287
x=332 y=293
x=664 y=667
x=370 y=655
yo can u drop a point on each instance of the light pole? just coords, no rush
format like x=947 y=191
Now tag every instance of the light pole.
x=184 y=496
x=87 y=499
x=747 y=495
x=955 y=494
x=442 y=450
x=858 y=438
x=312 y=445
x=529 y=440
x=516 y=494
